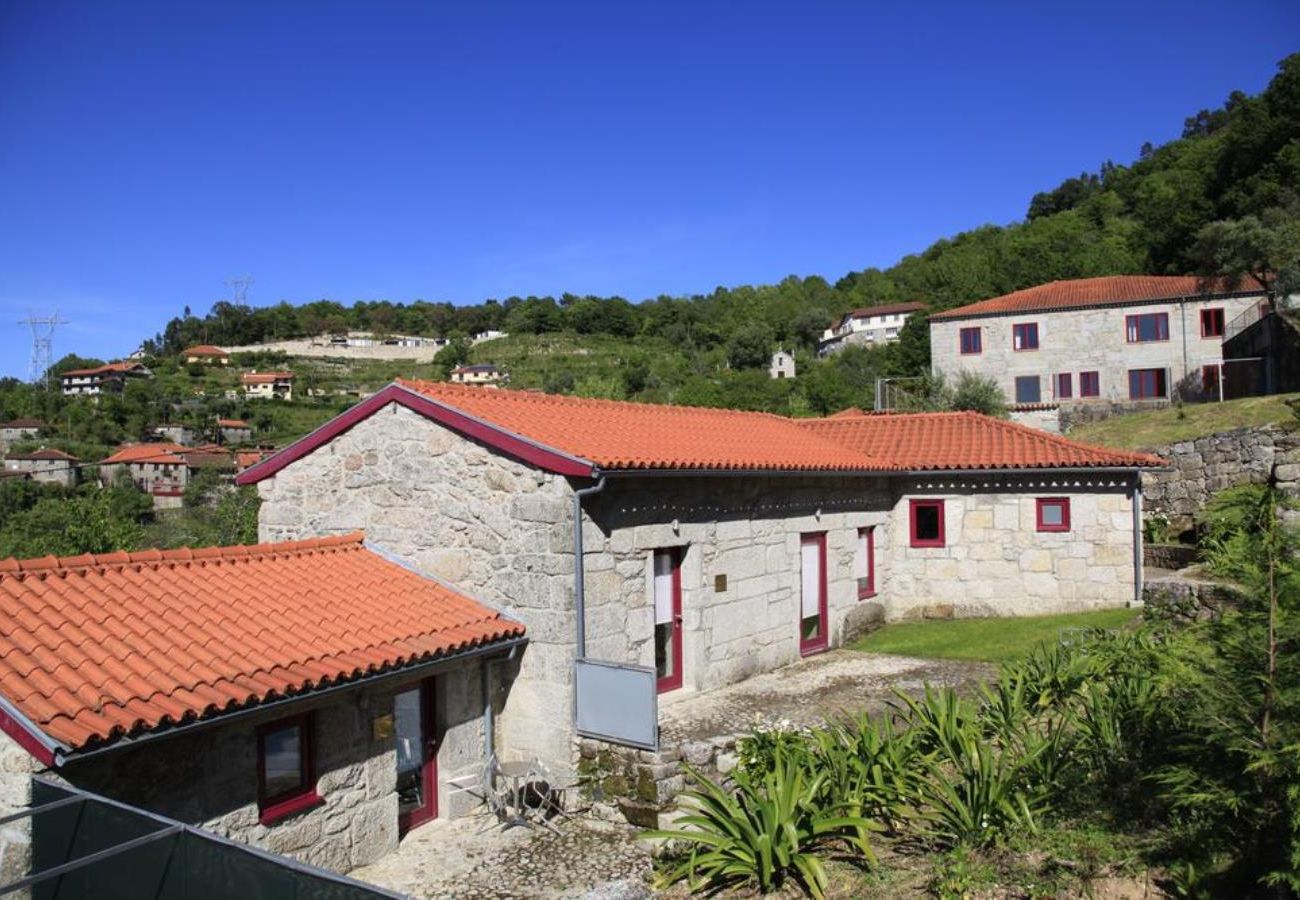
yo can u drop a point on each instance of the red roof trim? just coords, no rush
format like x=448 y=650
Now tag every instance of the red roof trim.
x=27 y=736
x=545 y=458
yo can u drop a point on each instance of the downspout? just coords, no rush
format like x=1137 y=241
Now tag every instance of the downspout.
x=579 y=590
x=1137 y=538
x=485 y=686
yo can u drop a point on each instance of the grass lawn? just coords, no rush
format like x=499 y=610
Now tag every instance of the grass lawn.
x=994 y=640
x=1142 y=430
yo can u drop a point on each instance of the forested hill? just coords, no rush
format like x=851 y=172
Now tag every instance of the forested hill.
x=1238 y=162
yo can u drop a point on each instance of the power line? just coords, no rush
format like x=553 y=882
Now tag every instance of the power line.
x=42 y=345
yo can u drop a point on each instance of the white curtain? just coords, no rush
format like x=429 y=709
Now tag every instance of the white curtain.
x=663 y=588
x=810 y=559
x=860 y=558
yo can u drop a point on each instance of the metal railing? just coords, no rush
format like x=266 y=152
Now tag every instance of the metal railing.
x=1246 y=319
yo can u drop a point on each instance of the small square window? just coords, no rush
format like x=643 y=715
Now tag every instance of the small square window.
x=1064 y=386
x=1024 y=336
x=927 y=523
x=1053 y=513
x=286 y=768
x=1089 y=384
x=1212 y=323
x=972 y=341
x=1029 y=389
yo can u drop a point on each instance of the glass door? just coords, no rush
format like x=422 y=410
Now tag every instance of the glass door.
x=417 y=756
x=812 y=599
x=668 y=619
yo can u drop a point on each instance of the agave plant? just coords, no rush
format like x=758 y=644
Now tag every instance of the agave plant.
x=872 y=762
x=770 y=828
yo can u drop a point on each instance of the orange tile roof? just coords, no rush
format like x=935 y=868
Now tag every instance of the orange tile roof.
x=23 y=423
x=966 y=440
x=266 y=377
x=45 y=453
x=885 y=309
x=204 y=350
x=106 y=369
x=160 y=452
x=616 y=434
x=232 y=423
x=94 y=648
x=1108 y=290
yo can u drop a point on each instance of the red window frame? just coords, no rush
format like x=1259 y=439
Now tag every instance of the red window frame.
x=674 y=681
x=917 y=541
x=429 y=760
x=1021 y=334
x=1212 y=322
x=1140 y=379
x=1063 y=503
x=971 y=341
x=1064 y=386
x=272 y=809
x=1133 y=328
x=1089 y=384
x=1210 y=376
x=822 y=641
x=867 y=544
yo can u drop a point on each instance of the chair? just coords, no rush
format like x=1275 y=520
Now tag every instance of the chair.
x=485 y=789
x=550 y=797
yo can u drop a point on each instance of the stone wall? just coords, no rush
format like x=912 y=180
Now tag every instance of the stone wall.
x=208 y=777
x=996 y=563
x=485 y=524
x=746 y=530
x=1202 y=467
x=1086 y=340
x=16 y=769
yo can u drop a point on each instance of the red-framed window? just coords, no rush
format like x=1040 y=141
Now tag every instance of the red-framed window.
x=1147 y=384
x=1089 y=384
x=972 y=341
x=814 y=635
x=1024 y=336
x=1029 y=389
x=1210 y=379
x=286 y=767
x=668 y=618
x=864 y=563
x=926 y=523
x=1146 y=327
x=1212 y=323
x=1053 y=513
x=1064 y=386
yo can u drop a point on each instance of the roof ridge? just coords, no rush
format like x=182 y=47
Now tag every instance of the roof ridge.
x=13 y=566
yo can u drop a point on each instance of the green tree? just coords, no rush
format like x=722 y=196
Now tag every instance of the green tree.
x=750 y=347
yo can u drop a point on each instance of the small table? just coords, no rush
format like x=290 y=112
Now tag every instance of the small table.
x=515 y=773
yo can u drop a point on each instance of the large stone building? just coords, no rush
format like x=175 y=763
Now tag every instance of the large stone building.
x=309 y=698
x=163 y=470
x=1116 y=339
x=715 y=544
x=46 y=464
x=873 y=326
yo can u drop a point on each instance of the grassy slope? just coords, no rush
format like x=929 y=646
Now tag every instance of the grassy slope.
x=1165 y=426
x=995 y=640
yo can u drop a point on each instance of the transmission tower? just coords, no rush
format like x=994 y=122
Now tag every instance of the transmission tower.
x=239 y=289
x=42 y=345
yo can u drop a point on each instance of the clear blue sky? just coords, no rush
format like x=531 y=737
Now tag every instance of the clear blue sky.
x=442 y=151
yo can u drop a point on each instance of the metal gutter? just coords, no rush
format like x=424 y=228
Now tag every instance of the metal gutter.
x=417 y=670
x=579 y=567
x=859 y=473
x=28 y=735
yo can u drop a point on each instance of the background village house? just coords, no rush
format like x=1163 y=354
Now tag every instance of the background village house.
x=479 y=373
x=871 y=326
x=268 y=385
x=46 y=464
x=206 y=354
x=16 y=430
x=781 y=365
x=110 y=378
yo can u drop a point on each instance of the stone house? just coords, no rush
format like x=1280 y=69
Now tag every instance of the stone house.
x=163 y=470
x=480 y=373
x=781 y=366
x=872 y=326
x=268 y=385
x=175 y=433
x=207 y=355
x=1120 y=339
x=312 y=698
x=46 y=464
x=234 y=431
x=109 y=378
x=706 y=545
x=16 y=430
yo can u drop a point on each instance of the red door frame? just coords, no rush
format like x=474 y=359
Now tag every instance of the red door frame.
x=822 y=641
x=429 y=776
x=674 y=681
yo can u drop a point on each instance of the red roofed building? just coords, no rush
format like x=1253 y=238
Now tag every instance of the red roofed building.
x=872 y=326
x=314 y=698
x=1117 y=339
x=206 y=353
x=268 y=385
x=706 y=544
x=46 y=464
x=110 y=377
x=163 y=469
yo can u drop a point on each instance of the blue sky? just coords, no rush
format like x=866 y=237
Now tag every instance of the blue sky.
x=368 y=150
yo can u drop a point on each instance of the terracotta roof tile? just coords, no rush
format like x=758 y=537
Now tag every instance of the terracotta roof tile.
x=93 y=648
x=161 y=452
x=966 y=440
x=1108 y=290
x=113 y=368
x=45 y=453
x=23 y=423
x=266 y=377
x=204 y=350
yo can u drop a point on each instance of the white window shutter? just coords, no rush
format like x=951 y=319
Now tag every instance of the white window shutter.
x=810 y=567
x=663 y=588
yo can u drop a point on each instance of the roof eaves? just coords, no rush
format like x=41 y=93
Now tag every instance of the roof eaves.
x=968 y=311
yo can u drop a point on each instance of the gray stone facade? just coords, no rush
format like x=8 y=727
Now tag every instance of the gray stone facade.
x=208 y=777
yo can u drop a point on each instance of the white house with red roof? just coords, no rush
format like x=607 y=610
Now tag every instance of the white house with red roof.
x=707 y=545
x=111 y=377
x=871 y=326
x=1115 y=339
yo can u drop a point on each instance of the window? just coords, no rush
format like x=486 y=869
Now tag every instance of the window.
x=1025 y=336
x=927 y=523
x=1145 y=384
x=1147 y=327
x=1089 y=384
x=864 y=563
x=1029 y=389
x=286 y=768
x=668 y=618
x=1053 y=513
x=1064 y=386
x=1210 y=380
x=971 y=341
x=813 y=636
x=1212 y=323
